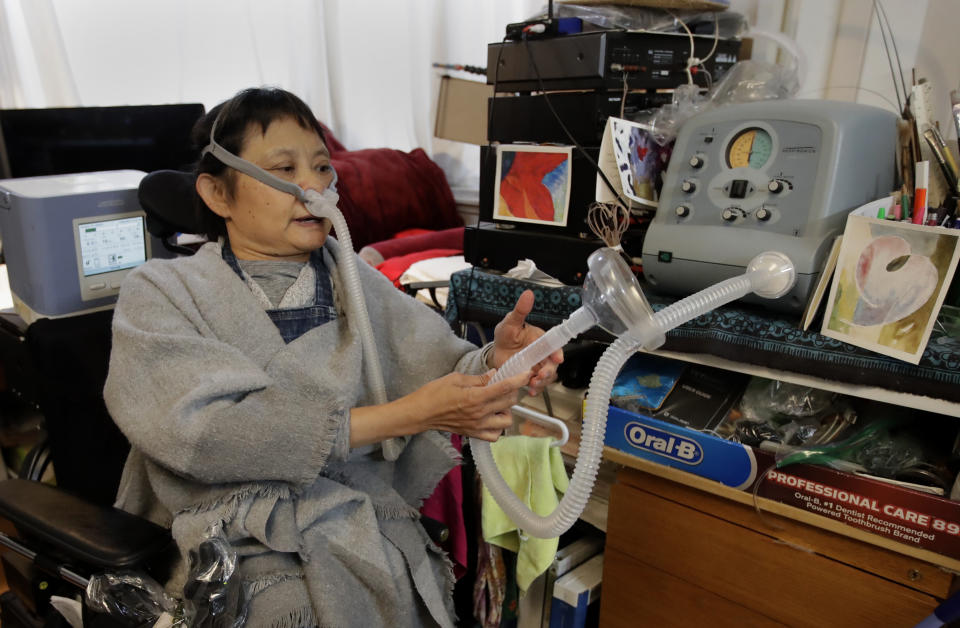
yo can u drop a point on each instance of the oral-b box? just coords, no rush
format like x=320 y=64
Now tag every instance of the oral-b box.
x=727 y=462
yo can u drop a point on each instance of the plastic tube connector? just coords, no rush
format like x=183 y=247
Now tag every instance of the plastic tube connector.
x=774 y=274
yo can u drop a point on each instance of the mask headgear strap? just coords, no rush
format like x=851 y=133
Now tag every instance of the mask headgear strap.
x=247 y=168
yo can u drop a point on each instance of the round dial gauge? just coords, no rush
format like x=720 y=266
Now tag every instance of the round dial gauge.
x=750 y=148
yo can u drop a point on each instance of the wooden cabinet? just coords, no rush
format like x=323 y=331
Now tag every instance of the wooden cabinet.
x=677 y=555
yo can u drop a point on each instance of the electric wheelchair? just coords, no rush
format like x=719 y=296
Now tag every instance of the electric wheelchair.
x=60 y=536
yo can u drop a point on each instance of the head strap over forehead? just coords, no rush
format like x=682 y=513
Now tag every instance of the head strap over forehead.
x=250 y=169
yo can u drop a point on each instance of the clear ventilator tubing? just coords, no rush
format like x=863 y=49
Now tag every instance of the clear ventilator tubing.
x=357 y=312
x=770 y=275
x=577 y=323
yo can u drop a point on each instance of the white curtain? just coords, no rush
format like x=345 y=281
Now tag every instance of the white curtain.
x=364 y=66
x=34 y=71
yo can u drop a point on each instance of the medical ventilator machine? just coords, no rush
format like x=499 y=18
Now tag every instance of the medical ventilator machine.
x=750 y=177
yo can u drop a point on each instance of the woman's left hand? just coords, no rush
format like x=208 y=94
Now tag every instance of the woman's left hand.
x=513 y=334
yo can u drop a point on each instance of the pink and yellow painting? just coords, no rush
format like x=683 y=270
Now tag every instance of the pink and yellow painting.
x=533 y=184
x=890 y=282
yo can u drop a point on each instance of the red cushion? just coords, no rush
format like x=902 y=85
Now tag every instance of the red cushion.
x=383 y=191
x=423 y=240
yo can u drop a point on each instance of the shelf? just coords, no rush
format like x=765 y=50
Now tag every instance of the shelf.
x=908 y=400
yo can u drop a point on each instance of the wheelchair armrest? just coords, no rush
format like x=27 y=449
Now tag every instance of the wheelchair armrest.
x=71 y=527
x=414 y=287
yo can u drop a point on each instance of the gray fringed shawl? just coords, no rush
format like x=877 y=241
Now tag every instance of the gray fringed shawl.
x=231 y=427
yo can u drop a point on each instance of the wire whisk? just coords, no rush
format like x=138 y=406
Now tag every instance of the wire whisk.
x=608 y=221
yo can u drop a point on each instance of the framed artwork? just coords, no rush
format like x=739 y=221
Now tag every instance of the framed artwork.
x=533 y=184
x=890 y=281
x=640 y=159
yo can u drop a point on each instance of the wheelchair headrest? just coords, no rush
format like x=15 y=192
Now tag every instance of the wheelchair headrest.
x=168 y=197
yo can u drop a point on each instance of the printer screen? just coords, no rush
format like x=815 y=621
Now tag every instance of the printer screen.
x=109 y=245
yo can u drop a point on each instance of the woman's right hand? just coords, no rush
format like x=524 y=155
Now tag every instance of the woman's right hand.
x=466 y=405
x=463 y=404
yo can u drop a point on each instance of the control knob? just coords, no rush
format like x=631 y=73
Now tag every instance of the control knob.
x=688 y=186
x=730 y=214
x=697 y=161
x=682 y=211
x=763 y=214
x=776 y=186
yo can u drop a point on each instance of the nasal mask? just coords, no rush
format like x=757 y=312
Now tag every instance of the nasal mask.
x=320 y=204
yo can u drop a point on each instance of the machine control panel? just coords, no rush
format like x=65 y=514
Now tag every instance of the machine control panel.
x=771 y=175
x=765 y=170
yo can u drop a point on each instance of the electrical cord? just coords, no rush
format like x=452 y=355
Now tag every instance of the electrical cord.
x=563 y=126
x=496 y=78
x=692 y=60
x=476 y=231
x=878 y=6
x=623 y=97
x=716 y=40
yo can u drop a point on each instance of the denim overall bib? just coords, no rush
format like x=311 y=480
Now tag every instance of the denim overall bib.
x=295 y=321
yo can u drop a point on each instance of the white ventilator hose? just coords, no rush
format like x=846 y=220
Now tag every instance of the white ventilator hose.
x=326 y=207
x=766 y=280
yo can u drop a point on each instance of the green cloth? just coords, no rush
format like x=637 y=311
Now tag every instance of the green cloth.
x=534 y=471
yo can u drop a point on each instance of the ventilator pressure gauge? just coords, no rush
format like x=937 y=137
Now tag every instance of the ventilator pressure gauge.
x=750 y=148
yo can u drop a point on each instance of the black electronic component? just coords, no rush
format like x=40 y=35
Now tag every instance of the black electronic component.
x=602 y=59
x=527 y=118
x=565 y=257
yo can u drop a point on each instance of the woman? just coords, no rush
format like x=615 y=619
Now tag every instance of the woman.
x=238 y=380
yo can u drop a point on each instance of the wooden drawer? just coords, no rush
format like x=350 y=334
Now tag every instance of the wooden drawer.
x=677 y=556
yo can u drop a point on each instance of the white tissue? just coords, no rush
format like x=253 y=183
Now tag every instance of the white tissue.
x=71 y=610
x=527 y=269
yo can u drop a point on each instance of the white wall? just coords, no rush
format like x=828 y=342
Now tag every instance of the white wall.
x=846 y=59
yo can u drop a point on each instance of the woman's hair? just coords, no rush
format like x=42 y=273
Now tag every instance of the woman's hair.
x=256 y=105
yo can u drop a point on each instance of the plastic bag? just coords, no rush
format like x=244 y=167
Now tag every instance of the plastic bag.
x=665 y=122
x=878 y=448
x=213 y=586
x=133 y=598
x=751 y=81
x=618 y=17
x=779 y=402
x=747 y=81
x=213 y=596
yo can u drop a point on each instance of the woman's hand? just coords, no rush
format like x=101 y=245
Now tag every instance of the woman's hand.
x=458 y=403
x=467 y=405
x=513 y=334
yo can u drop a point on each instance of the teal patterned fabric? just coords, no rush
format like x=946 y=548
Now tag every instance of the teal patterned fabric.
x=742 y=333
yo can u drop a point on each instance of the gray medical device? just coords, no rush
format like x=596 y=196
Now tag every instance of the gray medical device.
x=765 y=176
x=69 y=240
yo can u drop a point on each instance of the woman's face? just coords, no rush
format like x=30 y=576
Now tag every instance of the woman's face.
x=264 y=223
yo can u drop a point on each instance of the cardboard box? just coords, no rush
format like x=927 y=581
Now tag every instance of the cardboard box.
x=901 y=514
x=726 y=462
x=462 y=110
